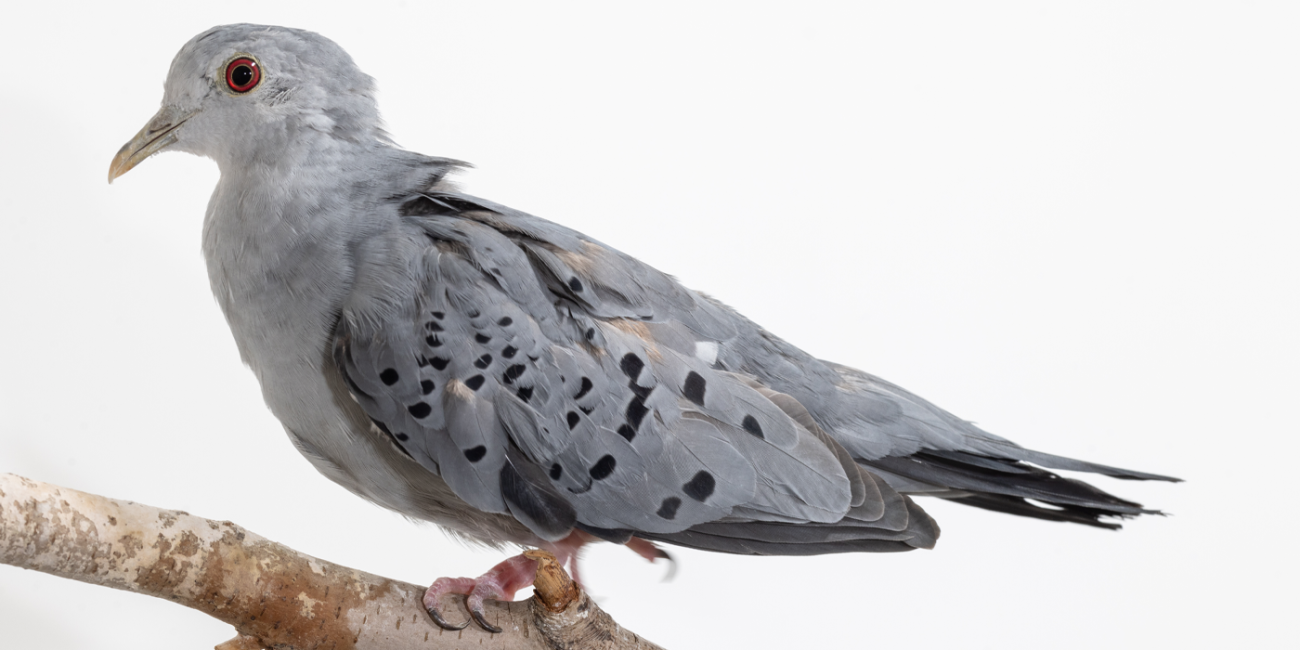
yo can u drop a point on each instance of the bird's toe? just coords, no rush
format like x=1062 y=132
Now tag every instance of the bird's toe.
x=442 y=587
x=499 y=583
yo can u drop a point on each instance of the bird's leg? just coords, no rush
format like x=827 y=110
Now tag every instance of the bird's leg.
x=499 y=583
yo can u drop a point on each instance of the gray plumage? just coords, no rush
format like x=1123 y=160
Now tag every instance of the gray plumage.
x=465 y=363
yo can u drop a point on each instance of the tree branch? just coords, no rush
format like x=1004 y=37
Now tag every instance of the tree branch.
x=273 y=595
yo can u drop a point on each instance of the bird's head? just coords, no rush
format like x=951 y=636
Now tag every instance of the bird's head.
x=252 y=93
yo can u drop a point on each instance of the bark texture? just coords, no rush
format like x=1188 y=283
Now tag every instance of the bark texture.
x=274 y=596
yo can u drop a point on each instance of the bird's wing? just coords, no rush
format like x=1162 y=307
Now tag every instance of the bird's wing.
x=543 y=374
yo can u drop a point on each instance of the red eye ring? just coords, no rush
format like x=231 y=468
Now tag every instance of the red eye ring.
x=243 y=74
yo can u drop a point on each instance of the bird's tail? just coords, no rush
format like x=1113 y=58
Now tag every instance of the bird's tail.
x=1014 y=485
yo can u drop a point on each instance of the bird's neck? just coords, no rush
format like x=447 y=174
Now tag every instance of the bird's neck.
x=277 y=244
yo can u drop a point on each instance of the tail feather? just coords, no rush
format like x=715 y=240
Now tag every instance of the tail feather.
x=1007 y=485
x=1052 y=461
x=1023 y=508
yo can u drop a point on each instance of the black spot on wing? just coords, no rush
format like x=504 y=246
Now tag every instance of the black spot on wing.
x=642 y=392
x=584 y=388
x=505 y=321
x=636 y=412
x=751 y=425
x=631 y=365
x=575 y=284
x=668 y=509
x=439 y=363
x=433 y=341
x=513 y=372
x=700 y=487
x=475 y=382
x=426 y=386
x=525 y=393
x=509 y=352
x=556 y=472
x=482 y=338
x=627 y=432
x=603 y=467
x=433 y=326
x=573 y=419
x=483 y=361
x=693 y=389
x=475 y=454
x=389 y=376
x=420 y=410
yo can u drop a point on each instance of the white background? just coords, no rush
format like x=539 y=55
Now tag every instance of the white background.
x=1073 y=223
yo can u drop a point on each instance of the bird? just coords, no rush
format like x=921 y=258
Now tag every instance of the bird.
x=522 y=384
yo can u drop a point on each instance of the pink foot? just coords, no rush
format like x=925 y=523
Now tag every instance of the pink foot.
x=503 y=580
x=499 y=583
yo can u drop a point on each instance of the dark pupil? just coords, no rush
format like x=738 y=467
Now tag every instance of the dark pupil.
x=242 y=75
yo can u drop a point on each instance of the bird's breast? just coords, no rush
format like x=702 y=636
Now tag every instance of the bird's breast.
x=279 y=268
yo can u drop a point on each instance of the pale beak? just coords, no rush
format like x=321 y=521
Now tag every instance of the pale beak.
x=157 y=135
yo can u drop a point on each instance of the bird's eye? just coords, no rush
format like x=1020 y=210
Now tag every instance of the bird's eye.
x=243 y=75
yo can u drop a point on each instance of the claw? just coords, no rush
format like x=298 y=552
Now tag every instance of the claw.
x=474 y=603
x=442 y=622
x=477 y=615
x=672 y=565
